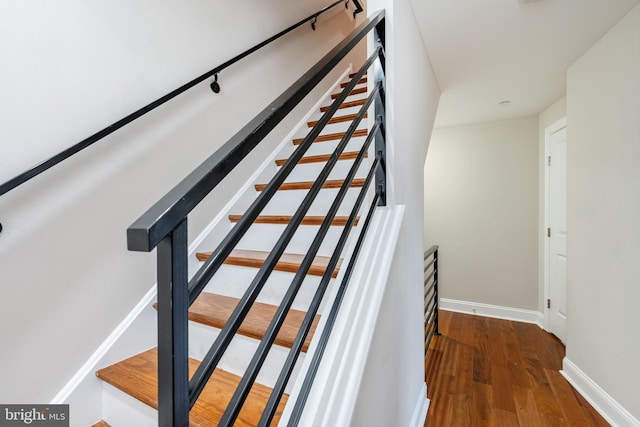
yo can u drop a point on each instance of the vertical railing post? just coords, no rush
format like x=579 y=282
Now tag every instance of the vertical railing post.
x=435 y=292
x=381 y=150
x=173 y=304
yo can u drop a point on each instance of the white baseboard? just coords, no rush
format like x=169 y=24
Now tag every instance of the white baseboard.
x=422 y=406
x=495 y=311
x=90 y=365
x=601 y=401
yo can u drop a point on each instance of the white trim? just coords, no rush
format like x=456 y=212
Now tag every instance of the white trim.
x=489 y=310
x=601 y=401
x=335 y=390
x=89 y=366
x=422 y=406
x=354 y=357
x=548 y=131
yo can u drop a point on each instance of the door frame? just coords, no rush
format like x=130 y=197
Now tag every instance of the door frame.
x=548 y=131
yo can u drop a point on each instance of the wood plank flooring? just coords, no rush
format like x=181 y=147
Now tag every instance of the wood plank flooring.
x=490 y=372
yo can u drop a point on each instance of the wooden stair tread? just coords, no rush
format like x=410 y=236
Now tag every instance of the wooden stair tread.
x=214 y=310
x=338 y=119
x=286 y=219
x=287 y=262
x=101 y=424
x=306 y=185
x=356 y=91
x=138 y=377
x=362 y=80
x=352 y=75
x=333 y=136
x=323 y=158
x=347 y=104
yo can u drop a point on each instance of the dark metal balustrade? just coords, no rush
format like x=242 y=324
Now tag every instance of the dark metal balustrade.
x=164 y=226
x=430 y=296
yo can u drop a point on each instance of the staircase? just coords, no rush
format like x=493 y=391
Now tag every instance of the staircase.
x=136 y=376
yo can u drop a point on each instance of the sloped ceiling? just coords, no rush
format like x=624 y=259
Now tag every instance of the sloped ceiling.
x=487 y=51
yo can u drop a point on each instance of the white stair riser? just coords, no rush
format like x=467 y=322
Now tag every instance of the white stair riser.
x=120 y=409
x=339 y=90
x=349 y=110
x=239 y=354
x=291 y=200
x=310 y=171
x=286 y=202
x=340 y=127
x=282 y=203
x=357 y=86
x=339 y=112
x=328 y=147
x=264 y=236
x=233 y=281
x=317 y=148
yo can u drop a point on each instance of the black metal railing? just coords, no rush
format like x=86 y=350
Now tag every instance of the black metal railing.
x=431 y=302
x=215 y=86
x=165 y=226
x=358 y=8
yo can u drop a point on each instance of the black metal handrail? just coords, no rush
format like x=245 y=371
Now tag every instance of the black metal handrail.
x=358 y=8
x=431 y=297
x=165 y=226
x=87 y=142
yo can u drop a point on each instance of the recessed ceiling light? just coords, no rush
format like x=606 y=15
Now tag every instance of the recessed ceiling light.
x=504 y=102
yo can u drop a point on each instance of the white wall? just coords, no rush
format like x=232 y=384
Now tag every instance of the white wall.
x=603 y=128
x=481 y=192
x=71 y=69
x=393 y=385
x=553 y=113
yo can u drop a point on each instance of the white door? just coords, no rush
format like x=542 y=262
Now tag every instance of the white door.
x=557 y=232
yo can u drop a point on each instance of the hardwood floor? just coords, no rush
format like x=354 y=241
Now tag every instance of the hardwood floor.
x=489 y=372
